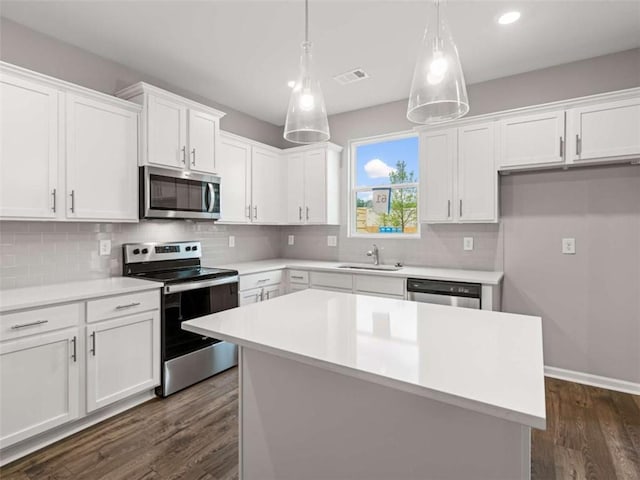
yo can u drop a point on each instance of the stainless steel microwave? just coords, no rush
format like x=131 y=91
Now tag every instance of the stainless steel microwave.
x=166 y=193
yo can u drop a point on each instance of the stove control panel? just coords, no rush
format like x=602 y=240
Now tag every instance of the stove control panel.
x=154 y=252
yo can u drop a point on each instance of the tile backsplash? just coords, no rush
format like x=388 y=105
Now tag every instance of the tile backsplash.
x=37 y=253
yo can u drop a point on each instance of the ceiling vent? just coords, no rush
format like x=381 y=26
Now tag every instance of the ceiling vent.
x=352 y=76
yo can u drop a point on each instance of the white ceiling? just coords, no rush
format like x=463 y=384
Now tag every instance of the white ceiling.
x=242 y=53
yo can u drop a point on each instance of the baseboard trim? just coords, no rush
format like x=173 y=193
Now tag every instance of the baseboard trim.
x=593 y=380
x=30 y=445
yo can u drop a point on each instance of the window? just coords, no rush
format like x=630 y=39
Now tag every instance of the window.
x=384 y=187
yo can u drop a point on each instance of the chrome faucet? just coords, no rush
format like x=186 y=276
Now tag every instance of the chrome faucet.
x=375 y=254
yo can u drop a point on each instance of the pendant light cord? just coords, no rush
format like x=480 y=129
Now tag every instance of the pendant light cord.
x=306 y=21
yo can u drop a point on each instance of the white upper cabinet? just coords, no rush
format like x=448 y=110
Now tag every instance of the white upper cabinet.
x=29 y=149
x=477 y=175
x=438 y=153
x=68 y=153
x=268 y=176
x=234 y=168
x=458 y=175
x=176 y=132
x=166 y=132
x=102 y=154
x=532 y=140
x=203 y=132
x=604 y=130
x=313 y=179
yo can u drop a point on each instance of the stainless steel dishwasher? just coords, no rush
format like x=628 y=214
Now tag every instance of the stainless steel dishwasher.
x=455 y=294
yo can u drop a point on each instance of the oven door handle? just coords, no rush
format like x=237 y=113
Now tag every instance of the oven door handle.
x=183 y=287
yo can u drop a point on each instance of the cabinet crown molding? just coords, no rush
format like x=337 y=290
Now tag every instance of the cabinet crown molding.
x=533 y=109
x=141 y=88
x=328 y=145
x=66 y=87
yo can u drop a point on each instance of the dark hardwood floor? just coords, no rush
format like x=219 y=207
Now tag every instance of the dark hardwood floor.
x=591 y=433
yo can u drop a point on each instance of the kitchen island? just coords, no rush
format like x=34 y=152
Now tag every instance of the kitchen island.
x=342 y=386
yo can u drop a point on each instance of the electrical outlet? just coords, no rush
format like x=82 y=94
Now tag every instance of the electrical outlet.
x=569 y=246
x=105 y=247
x=332 y=240
x=232 y=241
x=291 y=240
x=468 y=243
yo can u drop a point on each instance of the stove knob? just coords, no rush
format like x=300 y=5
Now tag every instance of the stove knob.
x=194 y=248
x=188 y=249
x=136 y=251
x=145 y=251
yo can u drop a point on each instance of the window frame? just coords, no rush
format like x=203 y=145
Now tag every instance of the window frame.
x=352 y=189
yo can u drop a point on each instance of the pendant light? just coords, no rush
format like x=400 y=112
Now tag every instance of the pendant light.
x=306 y=116
x=438 y=92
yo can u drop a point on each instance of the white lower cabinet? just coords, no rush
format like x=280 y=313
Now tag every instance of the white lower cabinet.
x=258 y=287
x=39 y=378
x=123 y=358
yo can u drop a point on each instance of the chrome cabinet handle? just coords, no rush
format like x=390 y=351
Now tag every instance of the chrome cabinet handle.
x=448 y=208
x=53 y=194
x=24 y=325
x=193 y=155
x=255 y=212
x=128 y=305
x=249 y=211
x=578 y=144
x=184 y=154
x=93 y=343
x=299 y=213
x=258 y=297
x=74 y=355
x=268 y=295
x=297 y=277
x=263 y=280
x=73 y=201
x=561 y=147
x=307 y=213
x=460 y=208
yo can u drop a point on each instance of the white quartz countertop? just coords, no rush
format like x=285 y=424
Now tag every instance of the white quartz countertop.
x=39 y=296
x=450 y=274
x=485 y=361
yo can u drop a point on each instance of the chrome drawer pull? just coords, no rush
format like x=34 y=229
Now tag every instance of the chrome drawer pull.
x=32 y=324
x=129 y=305
x=297 y=277
x=263 y=280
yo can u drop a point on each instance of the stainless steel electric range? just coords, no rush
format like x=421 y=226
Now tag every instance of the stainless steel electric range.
x=190 y=291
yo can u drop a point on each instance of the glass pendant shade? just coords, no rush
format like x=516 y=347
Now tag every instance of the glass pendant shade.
x=306 y=116
x=438 y=91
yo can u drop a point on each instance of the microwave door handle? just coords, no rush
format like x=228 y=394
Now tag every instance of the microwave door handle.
x=211 y=197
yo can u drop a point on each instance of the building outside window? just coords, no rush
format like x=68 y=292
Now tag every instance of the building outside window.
x=384 y=176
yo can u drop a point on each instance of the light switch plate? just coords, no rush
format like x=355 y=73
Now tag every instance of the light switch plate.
x=291 y=240
x=468 y=243
x=569 y=246
x=332 y=240
x=232 y=241
x=105 y=247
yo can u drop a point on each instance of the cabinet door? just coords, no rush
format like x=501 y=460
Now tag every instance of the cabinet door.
x=532 y=140
x=166 y=132
x=253 y=295
x=606 y=130
x=28 y=150
x=268 y=182
x=123 y=358
x=295 y=188
x=39 y=379
x=203 y=130
x=477 y=174
x=271 y=291
x=234 y=167
x=102 y=159
x=315 y=186
x=437 y=160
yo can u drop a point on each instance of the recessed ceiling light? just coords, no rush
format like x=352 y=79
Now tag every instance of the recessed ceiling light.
x=291 y=83
x=509 y=17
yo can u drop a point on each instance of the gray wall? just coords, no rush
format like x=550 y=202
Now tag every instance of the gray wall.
x=30 y=49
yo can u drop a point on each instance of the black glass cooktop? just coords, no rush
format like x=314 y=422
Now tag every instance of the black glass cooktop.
x=187 y=274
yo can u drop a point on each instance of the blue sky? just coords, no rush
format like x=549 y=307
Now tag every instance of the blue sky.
x=375 y=160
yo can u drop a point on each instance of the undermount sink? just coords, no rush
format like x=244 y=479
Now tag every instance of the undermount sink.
x=366 y=266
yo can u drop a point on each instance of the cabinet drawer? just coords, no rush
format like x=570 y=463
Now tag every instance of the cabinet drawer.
x=298 y=276
x=379 y=284
x=256 y=280
x=120 y=305
x=334 y=280
x=40 y=320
